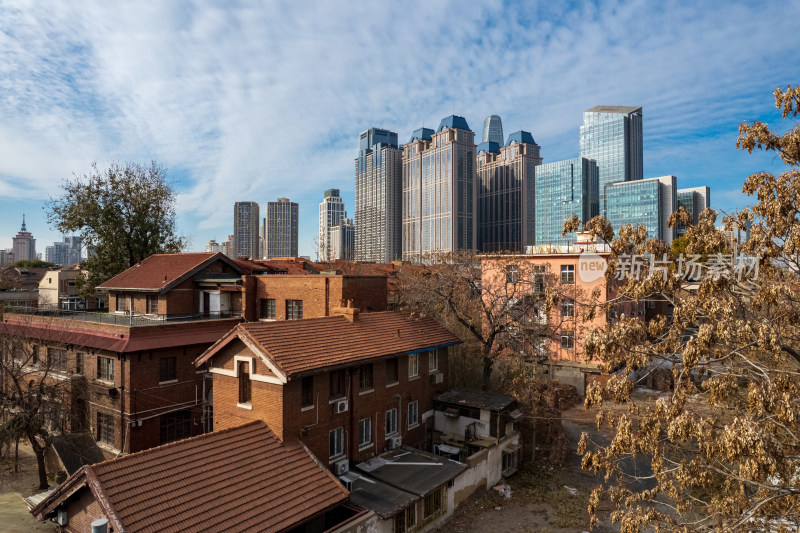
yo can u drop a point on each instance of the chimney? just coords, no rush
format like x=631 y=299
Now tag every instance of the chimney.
x=349 y=312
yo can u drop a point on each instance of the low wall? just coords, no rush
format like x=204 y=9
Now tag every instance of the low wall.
x=485 y=469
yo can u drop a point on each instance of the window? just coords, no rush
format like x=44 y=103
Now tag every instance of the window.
x=105 y=368
x=433 y=503
x=405 y=520
x=337 y=378
x=152 y=304
x=57 y=359
x=105 y=428
x=122 y=302
x=413 y=414
x=510 y=460
x=245 y=393
x=294 y=309
x=433 y=360
x=365 y=377
x=391 y=421
x=512 y=273
x=79 y=363
x=413 y=365
x=336 y=442
x=538 y=279
x=268 y=308
x=364 y=431
x=307 y=394
x=391 y=371
x=568 y=274
x=568 y=341
x=567 y=308
x=176 y=426
x=35 y=355
x=166 y=369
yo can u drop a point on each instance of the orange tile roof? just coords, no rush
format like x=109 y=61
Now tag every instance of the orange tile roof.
x=160 y=272
x=238 y=479
x=298 y=347
x=289 y=265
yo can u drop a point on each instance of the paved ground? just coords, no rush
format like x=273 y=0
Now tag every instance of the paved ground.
x=14 y=515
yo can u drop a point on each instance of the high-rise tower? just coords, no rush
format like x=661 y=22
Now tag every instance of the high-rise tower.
x=281 y=228
x=378 y=182
x=331 y=212
x=24 y=245
x=612 y=136
x=245 y=230
x=493 y=130
x=506 y=193
x=439 y=190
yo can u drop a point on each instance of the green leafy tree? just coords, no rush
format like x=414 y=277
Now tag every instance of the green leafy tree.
x=35 y=263
x=123 y=214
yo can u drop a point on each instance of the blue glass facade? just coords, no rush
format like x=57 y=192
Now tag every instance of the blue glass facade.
x=492 y=130
x=648 y=203
x=612 y=136
x=563 y=189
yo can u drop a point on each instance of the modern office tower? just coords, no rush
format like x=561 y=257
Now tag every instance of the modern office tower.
x=378 y=181
x=282 y=228
x=647 y=203
x=563 y=189
x=342 y=240
x=439 y=190
x=64 y=253
x=331 y=212
x=493 y=130
x=73 y=243
x=694 y=200
x=24 y=245
x=612 y=136
x=506 y=193
x=245 y=230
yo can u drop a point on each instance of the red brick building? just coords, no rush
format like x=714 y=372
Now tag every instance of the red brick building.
x=349 y=386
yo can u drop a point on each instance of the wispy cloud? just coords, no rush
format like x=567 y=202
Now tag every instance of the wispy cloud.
x=245 y=101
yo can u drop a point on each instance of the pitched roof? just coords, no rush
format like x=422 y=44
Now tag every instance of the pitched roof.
x=289 y=265
x=476 y=398
x=160 y=272
x=236 y=479
x=299 y=347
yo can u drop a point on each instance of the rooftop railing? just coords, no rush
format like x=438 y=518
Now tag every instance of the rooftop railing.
x=123 y=319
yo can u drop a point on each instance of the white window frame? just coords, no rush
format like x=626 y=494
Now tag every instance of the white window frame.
x=413 y=365
x=391 y=427
x=413 y=414
x=433 y=360
x=364 y=430
x=338 y=443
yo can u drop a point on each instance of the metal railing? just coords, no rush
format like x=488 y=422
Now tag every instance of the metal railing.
x=123 y=319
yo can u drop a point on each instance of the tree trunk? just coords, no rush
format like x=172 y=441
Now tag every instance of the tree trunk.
x=39 y=451
x=487 y=372
x=16 y=455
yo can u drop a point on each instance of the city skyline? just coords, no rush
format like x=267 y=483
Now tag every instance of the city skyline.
x=90 y=83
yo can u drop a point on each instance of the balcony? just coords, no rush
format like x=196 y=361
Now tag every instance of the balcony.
x=122 y=319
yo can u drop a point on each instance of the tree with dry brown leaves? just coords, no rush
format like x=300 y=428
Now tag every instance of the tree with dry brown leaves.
x=724 y=444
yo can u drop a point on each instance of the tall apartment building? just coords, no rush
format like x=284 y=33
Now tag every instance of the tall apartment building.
x=67 y=252
x=342 y=238
x=563 y=189
x=506 y=193
x=331 y=212
x=24 y=245
x=281 y=228
x=647 y=203
x=439 y=201
x=245 y=230
x=612 y=136
x=694 y=200
x=493 y=130
x=378 y=190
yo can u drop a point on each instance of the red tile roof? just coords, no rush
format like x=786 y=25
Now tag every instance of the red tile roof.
x=298 y=347
x=238 y=479
x=161 y=272
x=277 y=266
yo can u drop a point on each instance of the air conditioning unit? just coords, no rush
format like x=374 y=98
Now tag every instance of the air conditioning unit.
x=347 y=480
x=341 y=467
x=394 y=442
x=340 y=406
x=61 y=517
x=437 y=378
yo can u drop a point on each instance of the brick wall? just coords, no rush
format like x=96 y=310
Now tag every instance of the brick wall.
x=82 y=511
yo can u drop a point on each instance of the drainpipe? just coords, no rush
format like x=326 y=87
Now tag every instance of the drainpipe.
x=327 y=295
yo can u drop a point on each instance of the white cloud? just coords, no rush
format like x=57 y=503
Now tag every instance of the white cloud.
x=255 y=102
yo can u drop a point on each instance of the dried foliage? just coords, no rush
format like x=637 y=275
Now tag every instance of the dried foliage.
x=723 y=445
x=124 y=214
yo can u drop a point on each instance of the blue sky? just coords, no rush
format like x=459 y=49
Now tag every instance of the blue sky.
x=260 y=100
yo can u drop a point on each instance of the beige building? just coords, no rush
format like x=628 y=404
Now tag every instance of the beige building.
x=58 y=289
x=439 y=190
x=24 y=245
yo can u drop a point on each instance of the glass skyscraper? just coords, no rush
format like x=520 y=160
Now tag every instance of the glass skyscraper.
x=439 y=190
x=493 y=130
x=505 y=193
x=694 y=200
x=563 y=189
x=647 y=203
x=612 y=136
x=378 y=176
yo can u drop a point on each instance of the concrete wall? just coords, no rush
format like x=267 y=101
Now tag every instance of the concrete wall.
x=485 y=469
